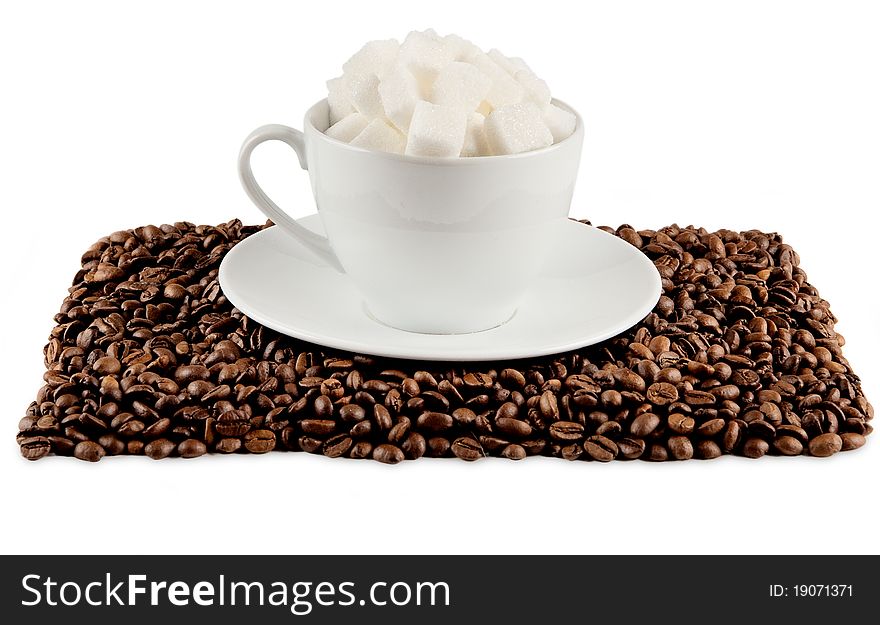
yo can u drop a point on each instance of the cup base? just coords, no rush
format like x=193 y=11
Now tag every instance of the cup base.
x=433 y=329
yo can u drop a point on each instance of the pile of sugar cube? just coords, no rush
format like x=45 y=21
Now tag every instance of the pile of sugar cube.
x=442 y=97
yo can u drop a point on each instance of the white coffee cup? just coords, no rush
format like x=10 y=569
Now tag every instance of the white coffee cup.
x=439 y=246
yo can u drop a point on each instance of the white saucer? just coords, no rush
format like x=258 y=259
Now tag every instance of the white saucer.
x=595 y=287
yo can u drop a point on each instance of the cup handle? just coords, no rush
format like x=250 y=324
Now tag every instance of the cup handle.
x=294 y=138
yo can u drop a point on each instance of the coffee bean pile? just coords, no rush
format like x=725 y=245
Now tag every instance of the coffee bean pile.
x=739 y=357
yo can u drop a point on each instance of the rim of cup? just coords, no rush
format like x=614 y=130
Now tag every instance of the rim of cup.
x=456 y=161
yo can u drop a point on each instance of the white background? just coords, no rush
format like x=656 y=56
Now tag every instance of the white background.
x=740 y=115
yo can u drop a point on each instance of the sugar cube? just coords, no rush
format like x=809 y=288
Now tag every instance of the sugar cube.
x=424 y=55
x=518 y=64
x=399 y=92
x=517 y=128
x=375 y=57
x=536 y=89
x=505 y=90
x=337 y=99
x=475 y=143
x=430 y=32
x=381 y=136
x=462 y=85
x=560 y=122
x=502 y=61
x=348 y=127
x=363 y=93
x=436 y=130
x=459 y=49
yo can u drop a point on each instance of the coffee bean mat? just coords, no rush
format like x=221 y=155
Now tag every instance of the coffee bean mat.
x=739 y=357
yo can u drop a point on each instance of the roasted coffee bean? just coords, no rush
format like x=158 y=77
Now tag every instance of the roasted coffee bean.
x=375 y=386
x=477 y=380
x=629 y=380
x=631 y=448
x=788 y=446
x=361 y=428
x=794 y=431
x=398 y=433
x=61 y=446
x=233 y=423
x=360 y=450
x=680 y=423
x=662 y=394
x=825 y=445
x=514 y=427
x=644 y=424
x=89 y=451
x=611 y=429
x=855 y=425
x=611 y=398
x=548 y=405
x=464 y=417
x=351 y=413
x=601 y=448
x=566 y=430
x=159 y=448
x=337 y=446
x=388 y=454
x=711 y=427
x=707 y=450
x=583 y=383
x=680 y=447
x=568 y=452
x=507 y=410
x=157 y=428
x=410 y=387
x=107 y=366
x=813 y=423
x=332 y=389
x=309 y=444
x=382 y=417
x=434 y=421
x=467 y=448
x=726 y=391
x=112 y=444
x=318 y=427
x=492 y=444
x=513 y=452
x=438 y=446
x=228 y=445
x=35 y=447
x=47 y=422
x=435 y=401
x=130 y=428
x=191 y=373
x=656 y=453
x=259 y=441
x=197 y=389
x=323 y=407
x=534 y=447
x=851 y=440
x=698 y=398
x=191 y=448
x=755 y=447
x=425 y=379
x=513 y=378
x=762 y=429
x=414 y=446
x=732 y=437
